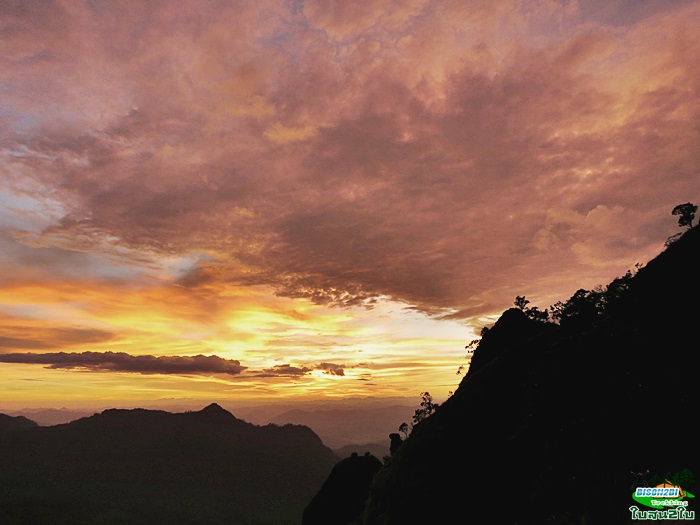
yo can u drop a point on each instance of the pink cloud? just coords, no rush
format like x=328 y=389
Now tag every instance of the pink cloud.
x=441 y=155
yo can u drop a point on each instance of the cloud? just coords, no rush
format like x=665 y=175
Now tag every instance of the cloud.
x=281 y=133
x=287 y=370
x=332 y=369
x=342 y=20
x=30 y=338
x=442 y=154
x=595 y=238
x=123 y=362
x=14 y=342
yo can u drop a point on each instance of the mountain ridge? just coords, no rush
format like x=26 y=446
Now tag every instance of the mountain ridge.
x=142 y=466
x=10 y=423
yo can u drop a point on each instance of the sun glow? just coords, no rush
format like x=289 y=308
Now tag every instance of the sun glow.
x=284 y=345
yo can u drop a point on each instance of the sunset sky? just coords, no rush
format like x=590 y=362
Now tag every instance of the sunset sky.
x=320 y=198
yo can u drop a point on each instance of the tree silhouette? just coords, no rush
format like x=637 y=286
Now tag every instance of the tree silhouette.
x=534 y=312
x=686 y=213
x=520 y=302
x=428 y=407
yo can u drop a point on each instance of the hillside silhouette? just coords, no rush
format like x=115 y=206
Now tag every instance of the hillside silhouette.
x=341 y=498
x=553 y=419
x=9 y=423
x=50 y=416
x=148 y=467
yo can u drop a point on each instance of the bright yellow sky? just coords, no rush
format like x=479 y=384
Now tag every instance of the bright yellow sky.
x=291 y=348
x=286 y=348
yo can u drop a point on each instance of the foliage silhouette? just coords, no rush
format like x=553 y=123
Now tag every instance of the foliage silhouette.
x=427 y=407
x=584 y=306
x=686 y=213
x=520 y=302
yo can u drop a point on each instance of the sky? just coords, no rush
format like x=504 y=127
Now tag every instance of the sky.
x=320 y=199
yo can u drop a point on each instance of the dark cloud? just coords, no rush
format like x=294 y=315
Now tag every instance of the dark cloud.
x=332 y=369
x=285 y=370
x=123 y=362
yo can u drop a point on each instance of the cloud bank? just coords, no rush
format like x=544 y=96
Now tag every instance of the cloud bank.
x=123 y=362
x=423 y=151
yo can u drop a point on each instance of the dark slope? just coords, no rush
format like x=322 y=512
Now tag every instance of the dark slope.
x=8 y=423
x=342 y=496
x=49 y=416
x=551 y=421
x=148 y=466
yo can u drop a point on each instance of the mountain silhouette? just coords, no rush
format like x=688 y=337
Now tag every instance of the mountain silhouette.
x=50 y=416
x=143 y=466
x=342 y=496
x=552 y=420
x=9 y=423
x=216 y=413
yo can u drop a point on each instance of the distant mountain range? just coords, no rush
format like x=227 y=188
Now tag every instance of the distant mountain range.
x=556 y=422
x=146 y=467
x=351 y=426
x=341 y=427
x=50 y=416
